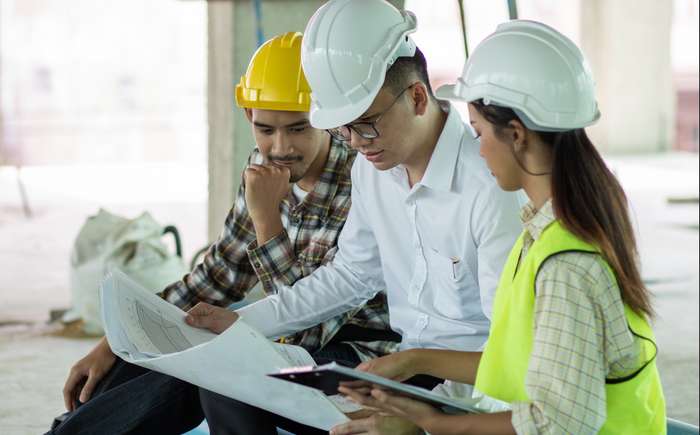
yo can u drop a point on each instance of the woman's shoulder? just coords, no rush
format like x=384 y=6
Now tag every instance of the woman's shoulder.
x=576 y=275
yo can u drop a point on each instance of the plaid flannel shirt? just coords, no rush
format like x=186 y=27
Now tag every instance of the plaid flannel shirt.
x=235 y=263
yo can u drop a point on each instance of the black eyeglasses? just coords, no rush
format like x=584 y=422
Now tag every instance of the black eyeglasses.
x=364 y=129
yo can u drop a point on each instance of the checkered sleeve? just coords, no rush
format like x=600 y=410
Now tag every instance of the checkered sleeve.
x=275 y=260
x=225 y=275
x=565 y=381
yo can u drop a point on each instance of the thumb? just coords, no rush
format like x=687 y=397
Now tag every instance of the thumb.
x=199 y=320
x=199 y=316
x=364 y=367
x=89 y=386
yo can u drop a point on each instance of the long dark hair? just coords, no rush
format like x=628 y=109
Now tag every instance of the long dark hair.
x=589 y=202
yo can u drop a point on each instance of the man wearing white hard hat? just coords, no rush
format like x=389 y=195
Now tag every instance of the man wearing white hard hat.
x=571 y=346
x=428 y=222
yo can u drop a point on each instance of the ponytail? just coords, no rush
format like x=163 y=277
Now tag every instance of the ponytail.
x=590 y=203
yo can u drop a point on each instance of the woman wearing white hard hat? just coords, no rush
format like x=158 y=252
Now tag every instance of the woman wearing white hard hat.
x=570 y=346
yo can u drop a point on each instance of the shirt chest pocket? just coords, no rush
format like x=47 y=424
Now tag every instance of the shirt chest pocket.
x=451 y=282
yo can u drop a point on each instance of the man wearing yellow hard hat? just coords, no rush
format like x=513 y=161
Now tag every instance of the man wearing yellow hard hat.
x=284 y=224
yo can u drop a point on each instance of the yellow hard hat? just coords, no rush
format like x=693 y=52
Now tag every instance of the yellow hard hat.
x=274 y=79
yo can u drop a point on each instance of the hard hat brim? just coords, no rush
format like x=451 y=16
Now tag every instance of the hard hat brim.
x=448 y=93
x=324 y=119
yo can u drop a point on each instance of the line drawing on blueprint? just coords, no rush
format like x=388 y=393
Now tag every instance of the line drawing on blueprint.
x=164 y=334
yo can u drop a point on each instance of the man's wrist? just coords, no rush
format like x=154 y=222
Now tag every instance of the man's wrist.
x=263 y=214
x=268 y=228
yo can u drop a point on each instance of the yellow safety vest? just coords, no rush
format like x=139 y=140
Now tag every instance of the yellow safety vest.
x=635 y=405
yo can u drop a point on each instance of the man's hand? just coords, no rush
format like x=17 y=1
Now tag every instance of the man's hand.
x=205 y=316
x=265 y=188
x=377 y=424
x=86 y=373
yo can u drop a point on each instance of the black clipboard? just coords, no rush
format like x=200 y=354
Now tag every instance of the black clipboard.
x=328 y=377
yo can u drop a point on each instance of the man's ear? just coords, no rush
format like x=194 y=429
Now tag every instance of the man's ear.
x=248 y=114
x=518 y=135
x=420 y=97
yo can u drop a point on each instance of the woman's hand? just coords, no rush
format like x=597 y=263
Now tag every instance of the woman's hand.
x=377 y=424
x=414 y=411
x=397 y=366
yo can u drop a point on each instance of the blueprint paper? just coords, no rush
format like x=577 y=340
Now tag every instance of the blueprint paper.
x=143 y=329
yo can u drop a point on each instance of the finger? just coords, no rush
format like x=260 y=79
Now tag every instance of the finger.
x=199 y=321
x=354 y=384
x=89 y=386
x=250 y=173
x=360 y=414
x=391 y=399
x=364 y=367
x=201 y=309
x=362 y=399
x=74 y=378
x=402 y=406
x=389 y=402
x=352 y=427
x=200 y=316
x=364 y=391
x=286 y=172
x=278 y=171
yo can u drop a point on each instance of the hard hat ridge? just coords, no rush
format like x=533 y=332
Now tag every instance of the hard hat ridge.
x=534 y=70
x=346 y=66
x=274 y=79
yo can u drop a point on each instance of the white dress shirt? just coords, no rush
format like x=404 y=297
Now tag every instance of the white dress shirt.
x=436 y=248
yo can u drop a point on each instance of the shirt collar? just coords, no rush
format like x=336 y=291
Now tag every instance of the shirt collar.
x=441 y=167
x=535 y=221
x=319 y=200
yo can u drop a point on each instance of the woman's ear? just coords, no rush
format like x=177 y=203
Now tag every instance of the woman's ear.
x=518 y=134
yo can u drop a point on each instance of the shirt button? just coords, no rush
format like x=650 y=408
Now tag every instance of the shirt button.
x=258 y=265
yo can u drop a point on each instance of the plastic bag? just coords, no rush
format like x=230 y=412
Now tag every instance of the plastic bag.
x=134 y=246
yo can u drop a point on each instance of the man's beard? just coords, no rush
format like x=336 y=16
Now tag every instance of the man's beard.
x=295 y=177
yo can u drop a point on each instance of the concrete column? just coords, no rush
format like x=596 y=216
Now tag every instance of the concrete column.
x=232 y=42
x=220 y=113
x=628 y=43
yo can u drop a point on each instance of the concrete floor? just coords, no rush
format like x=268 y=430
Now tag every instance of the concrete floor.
x=34 y=358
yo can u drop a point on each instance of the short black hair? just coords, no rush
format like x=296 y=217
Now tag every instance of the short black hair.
x=405 y=71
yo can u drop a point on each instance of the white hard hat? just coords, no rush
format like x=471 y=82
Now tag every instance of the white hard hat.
x=534 y=70
x=347 y=48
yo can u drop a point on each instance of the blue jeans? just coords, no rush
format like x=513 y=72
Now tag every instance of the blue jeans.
x=134 y=400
